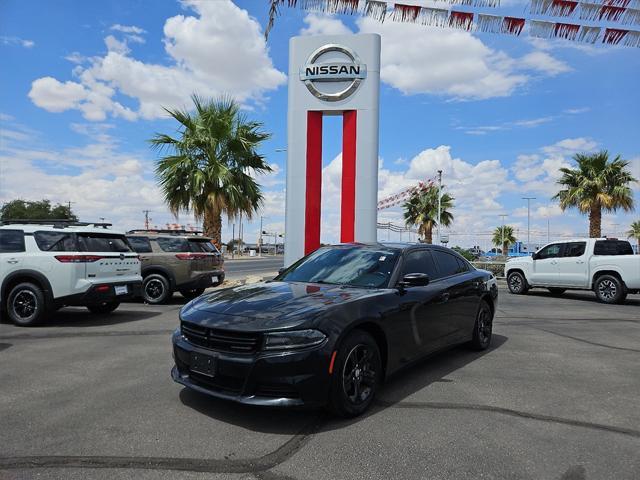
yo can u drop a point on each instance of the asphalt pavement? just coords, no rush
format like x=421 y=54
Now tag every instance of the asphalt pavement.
x=555 y=397
x=241 y=268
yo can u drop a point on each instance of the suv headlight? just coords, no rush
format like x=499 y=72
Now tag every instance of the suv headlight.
x=293 y=339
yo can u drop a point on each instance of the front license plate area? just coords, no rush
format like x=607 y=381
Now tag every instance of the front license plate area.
x=214 y=279
x=203 y=364
x=121 y=290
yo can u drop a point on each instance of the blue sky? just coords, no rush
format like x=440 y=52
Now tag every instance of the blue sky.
x=83 y=84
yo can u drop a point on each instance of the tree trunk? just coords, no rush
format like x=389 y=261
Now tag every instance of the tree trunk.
x=213 y=226
x=428 y=234
x=505 y=249
x=595 y=222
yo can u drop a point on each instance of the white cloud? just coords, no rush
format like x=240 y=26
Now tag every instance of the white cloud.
x=576 y=111
x=545 y=63
x=220 y=33
x=569 y=146
x=11 y=41
x=128 y=29
x=319 y=24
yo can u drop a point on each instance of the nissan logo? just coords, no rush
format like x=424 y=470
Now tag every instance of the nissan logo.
x=350 y=70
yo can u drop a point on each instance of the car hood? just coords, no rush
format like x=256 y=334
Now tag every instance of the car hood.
x=519 y=261
x=269 y=305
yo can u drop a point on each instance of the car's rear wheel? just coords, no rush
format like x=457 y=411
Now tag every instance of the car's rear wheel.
x=104 y=307
x=356 y=375
x=483 y=327
x=26 y=305
x=610 y=289
x=557 y=291
x=517 y=283
x=190 y=294
x=156 y=289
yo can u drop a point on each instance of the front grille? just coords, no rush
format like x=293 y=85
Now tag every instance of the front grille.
x=221 y=340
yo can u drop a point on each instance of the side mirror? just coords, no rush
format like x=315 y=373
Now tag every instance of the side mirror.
x=281 y=270
x=414 y=280
x=534 y=256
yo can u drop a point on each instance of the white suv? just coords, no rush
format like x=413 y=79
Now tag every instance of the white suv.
x=46 y=265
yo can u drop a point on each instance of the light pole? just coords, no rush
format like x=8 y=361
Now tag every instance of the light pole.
x=528 y=199
x=260 y=239
x=439 y=201
x=503 y=215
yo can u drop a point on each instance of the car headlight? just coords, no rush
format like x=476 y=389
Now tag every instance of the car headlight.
x=293 y=339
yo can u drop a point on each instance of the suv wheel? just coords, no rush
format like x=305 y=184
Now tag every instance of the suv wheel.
x=517 y=283
x=356 y=376
x=26 y=305
x=610 y=289
x=156 y=289
x=104 y=307
x=190 y=294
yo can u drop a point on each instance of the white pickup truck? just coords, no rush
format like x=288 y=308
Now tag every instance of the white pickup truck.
x=605 y=265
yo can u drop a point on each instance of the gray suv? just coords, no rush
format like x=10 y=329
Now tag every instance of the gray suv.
x=176 y=261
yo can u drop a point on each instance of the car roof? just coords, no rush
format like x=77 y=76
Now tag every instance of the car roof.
x=31 y=227
x=141 y=233
x=400 y=246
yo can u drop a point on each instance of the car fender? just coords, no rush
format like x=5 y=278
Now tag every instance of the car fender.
x=148 y=270
x=39 y=277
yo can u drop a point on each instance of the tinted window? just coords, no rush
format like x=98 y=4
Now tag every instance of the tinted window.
x=574 y=249
x=355 y=266
x=96 y=242
x=56 y=241
x=202 y=246
x=176 y=244
x=463 y=266
x=550 y=251
x=447 y=263
x=140 y=244
x=11 y=241
x=612 y=247
x=419 y=261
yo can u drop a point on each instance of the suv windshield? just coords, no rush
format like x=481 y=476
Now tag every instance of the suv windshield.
x=356 y=266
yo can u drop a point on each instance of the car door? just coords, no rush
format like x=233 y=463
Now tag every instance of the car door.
x=572 y=265
x=544 y=270
x=11 y=252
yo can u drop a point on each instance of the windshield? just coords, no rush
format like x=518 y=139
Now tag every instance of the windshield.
x=352 y=265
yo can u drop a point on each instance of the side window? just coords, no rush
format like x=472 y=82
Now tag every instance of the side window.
x=202 y=246
x=574 y=249
x=420 y=261
x=55 y=242
x=140 y=244
x=612 y=247
x=176 y=244
x=11 y=241
x=447 y=263
x=462 y=265
x=550 y=251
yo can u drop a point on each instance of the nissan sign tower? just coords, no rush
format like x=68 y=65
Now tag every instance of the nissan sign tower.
x=332 y=75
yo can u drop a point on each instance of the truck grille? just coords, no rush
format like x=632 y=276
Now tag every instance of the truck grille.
x=221 y=340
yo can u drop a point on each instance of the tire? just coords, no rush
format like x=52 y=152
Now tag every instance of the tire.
x=609 y=289
x=103 y=308
x=356 y=375
x=517 y=283
x=156 y=289
x=26 y=305
x=557 y=291
x=191 y=294
x=482 y=327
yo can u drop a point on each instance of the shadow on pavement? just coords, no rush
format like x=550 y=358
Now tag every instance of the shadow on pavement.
x=81 y=317
x=584 y=296
x=286 y=421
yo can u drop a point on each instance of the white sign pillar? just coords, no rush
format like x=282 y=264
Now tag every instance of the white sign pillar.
x=332 y=75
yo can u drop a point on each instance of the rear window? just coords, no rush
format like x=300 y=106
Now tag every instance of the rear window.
x=612 y=247
x=55 y=241
x=202 y=246
x=11 y=241
x=140 y=244
x=177 y=244
x=95 y=242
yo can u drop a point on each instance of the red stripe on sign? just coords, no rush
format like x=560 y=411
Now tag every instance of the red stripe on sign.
x=313 y=197
x=348 y=207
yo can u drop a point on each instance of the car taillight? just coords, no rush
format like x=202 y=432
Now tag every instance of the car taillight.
x=78 y=258
x=103 y=288
x=189 y=256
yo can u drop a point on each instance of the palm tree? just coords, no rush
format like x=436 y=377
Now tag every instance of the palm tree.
x=634 y=232
x=596 y=184
x=209 y=166
x=422 y=210
x=503 y=236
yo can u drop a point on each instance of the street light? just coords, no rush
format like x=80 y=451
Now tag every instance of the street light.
x=528 y=199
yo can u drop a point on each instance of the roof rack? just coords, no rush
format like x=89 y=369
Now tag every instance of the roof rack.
x=56 y=223
x=165 y=231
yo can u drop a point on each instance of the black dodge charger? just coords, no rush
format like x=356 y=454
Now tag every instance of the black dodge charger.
x=330 y=328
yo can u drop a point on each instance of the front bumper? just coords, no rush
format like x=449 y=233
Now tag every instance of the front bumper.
x=98 y=294
x=276 y=379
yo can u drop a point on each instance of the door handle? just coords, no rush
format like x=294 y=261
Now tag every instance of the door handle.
x=12 y=261
x=554 y=262
x=580 y=261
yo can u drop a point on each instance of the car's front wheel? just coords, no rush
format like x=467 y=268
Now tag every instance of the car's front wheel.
x=483 y=327
x=610 y=289
x=517 y=283
x=26 y=305
x=156 y=289
x=104 y=307
x=191 y=294
x=356 y=376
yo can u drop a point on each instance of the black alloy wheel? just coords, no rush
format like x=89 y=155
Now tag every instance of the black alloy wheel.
x=26 y=305
x=517 y=283
x=191 y=294
x=104 y=307
x=483 y=327
x=356 y=375
x=156 y=289
x=610 y=289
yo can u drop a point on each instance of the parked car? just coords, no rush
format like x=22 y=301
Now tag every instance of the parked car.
x=605 y=265
x=46 y=265
x=330 y=328
x=176 y=261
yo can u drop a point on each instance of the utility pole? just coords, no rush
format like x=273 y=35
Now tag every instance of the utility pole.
x=260 y=239
x=528 y=199
x=548 y=233
x=615 y=229
x=233 y=240
x=146 y=218
x=439 y=201
x=69 y=203
x=503 y=215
